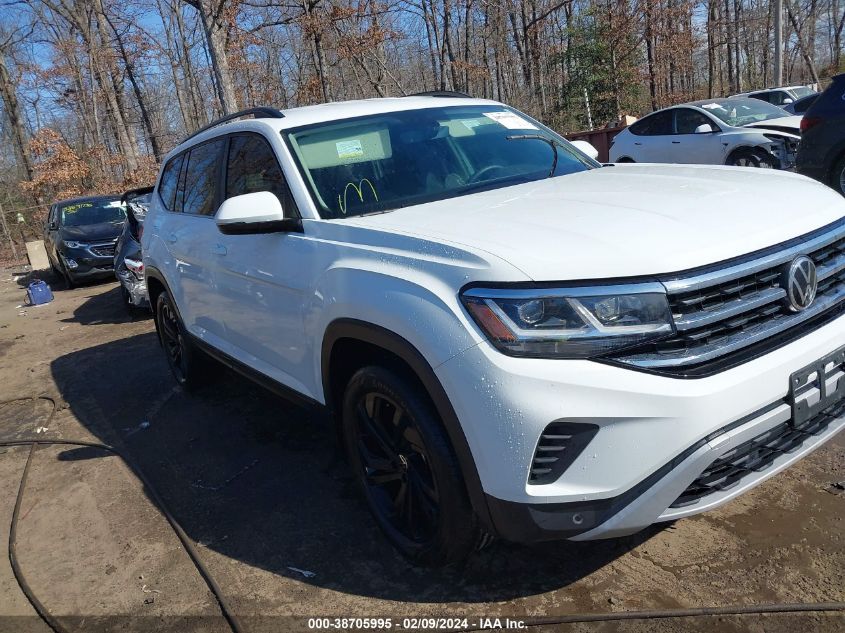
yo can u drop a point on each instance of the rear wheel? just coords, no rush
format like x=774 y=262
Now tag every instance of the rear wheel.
x=405 y=467
x=186 y=361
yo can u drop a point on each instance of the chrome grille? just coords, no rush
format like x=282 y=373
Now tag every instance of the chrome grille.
x=103 y=250
x=722 y=312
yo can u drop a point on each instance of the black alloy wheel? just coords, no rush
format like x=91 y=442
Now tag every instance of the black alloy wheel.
x=187 y=363
x=405 y=466
x=396 y=468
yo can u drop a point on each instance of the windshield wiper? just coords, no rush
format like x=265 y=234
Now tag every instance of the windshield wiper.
x=552 y=143
x=518 y=179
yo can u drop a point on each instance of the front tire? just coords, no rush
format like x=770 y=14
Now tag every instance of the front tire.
x=751 y=158
x=405 y=467
x=186 y=361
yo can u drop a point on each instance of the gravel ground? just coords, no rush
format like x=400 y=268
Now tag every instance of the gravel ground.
x=262 y=490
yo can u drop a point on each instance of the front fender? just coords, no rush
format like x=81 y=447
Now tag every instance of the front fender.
x=422 y=309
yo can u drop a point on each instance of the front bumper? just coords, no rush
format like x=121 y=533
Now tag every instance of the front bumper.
x=136 y=288
x=87 y=265
x=656 y=434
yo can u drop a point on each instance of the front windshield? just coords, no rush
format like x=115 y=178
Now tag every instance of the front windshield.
x=92 y=212
x=802 y=91
x=739 y=112
x=387 y=161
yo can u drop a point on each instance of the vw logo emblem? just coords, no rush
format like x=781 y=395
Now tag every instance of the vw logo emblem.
x=800 y=283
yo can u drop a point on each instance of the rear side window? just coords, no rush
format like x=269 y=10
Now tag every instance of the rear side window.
x=253 y=167
x=653 y=125
x=169 y=181
x=201 y=178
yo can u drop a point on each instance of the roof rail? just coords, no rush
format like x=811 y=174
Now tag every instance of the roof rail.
x=262 y=111
x=441 y=93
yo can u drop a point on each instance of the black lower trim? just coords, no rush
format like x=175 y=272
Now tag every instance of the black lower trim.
x=537 y=522
x=257 y=377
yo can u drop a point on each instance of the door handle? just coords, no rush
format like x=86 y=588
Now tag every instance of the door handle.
x=635 y=143
x=172 y=238
x=219 y=249
x=676 y=142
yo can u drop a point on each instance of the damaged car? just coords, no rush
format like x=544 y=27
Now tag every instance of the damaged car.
x=128 y=263
x=738 y=132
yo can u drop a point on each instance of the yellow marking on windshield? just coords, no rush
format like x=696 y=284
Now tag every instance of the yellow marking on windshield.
x=359 y=189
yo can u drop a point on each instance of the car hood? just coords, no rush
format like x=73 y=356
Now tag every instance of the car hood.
x=625 y=220
x=103 y=231
x=790 y=124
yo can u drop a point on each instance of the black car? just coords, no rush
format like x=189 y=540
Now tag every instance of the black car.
x=128 y=264
x=80 y=237
x=821 y=154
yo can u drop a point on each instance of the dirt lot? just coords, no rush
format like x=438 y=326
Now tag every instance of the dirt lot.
x=262 y=490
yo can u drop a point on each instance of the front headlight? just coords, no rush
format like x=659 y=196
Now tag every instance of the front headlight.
x=579 y=322
x=72 y=244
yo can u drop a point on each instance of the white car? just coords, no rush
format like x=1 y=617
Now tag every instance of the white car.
x=513 y=339
x=739 y=132
x=782 y=96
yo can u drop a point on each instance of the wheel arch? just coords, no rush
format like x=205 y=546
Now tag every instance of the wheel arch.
x=349 y=344
x=156 y=284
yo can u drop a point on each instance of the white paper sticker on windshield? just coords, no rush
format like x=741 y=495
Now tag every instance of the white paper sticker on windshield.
x=711 y=106
x=510 y=120
x=349 y=149
x=114 y=203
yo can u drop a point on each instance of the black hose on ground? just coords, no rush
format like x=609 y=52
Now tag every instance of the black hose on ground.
x=613 y=616
x=189 y=546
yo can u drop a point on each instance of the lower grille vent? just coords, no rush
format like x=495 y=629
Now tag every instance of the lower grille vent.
x=755 y=455
x=560 y=443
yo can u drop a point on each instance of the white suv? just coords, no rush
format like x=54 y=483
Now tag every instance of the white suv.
x=514 y=339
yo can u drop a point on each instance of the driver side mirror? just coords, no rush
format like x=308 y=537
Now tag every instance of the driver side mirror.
x=704 y=128
x=52 y=226
x=251 y=213
x=586 y=148
x=787 y=101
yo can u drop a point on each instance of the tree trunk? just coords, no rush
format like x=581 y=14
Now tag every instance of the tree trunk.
x=216 y=36
x=139 y=96
x=12 y=106
x=804 y=53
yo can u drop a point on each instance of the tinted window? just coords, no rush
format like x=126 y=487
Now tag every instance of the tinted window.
x=169 y=180
x=201 y=178
x=654 y=124
x=762 y=96
x=686 y=120
x=778 y=97
x=253 y=167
